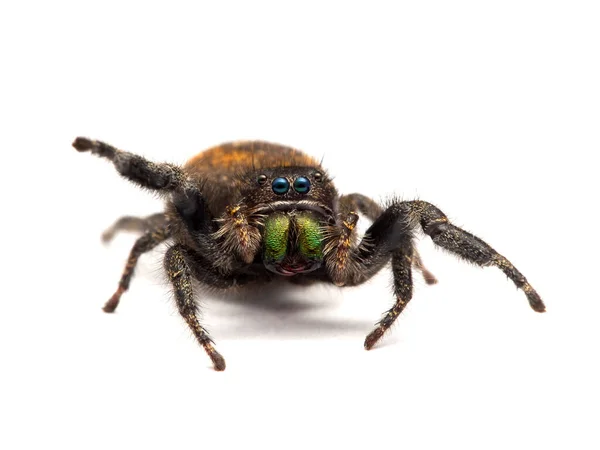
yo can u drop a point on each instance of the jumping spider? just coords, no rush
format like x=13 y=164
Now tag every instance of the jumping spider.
x=250 y=212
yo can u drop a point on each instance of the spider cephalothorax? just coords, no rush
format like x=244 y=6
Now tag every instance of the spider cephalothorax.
x=249 y=212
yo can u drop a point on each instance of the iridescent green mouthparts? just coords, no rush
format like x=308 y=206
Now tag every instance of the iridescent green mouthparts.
x=277 y=228
x=303 y=226
x=310 y=237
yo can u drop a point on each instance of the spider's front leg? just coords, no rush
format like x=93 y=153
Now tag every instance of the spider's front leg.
x=464 y=244
x=180 y=275
x=156 y=176
x=183 y=264
x=349 y=265
x=403 y=285
x=390 y=236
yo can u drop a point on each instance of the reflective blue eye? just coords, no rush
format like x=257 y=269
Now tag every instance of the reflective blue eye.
x=302 y=185
x=280 y=185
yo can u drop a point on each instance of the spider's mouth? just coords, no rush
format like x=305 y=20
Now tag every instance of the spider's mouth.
x=292 y=242
x=291 y=268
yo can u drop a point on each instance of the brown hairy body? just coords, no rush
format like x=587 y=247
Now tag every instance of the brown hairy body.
x=251 y=211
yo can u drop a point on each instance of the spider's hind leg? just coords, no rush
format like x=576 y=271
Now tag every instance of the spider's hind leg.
x=135 y=225
x=145 y=243
x=417 y=263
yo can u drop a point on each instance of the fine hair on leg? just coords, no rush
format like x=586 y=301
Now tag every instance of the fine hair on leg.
x=144 y=244
x=180 y=276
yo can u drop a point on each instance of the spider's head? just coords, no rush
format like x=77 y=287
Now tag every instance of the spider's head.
x=286 y=210
x=296 y=203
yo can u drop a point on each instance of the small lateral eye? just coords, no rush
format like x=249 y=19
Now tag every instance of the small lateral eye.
x=280 y=185
x=262 y=179
x=302 y=185
x=318 y=176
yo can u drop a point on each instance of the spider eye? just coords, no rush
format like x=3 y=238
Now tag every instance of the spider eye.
x=262 y=179
x=318 y=176
x=280 y=185
x=302 y=185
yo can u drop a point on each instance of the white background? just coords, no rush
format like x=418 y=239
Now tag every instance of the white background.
x=490 y=111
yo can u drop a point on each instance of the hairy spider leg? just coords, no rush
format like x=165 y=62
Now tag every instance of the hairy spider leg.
x=134 y=224
x=464 y=244
x=372 y=210
x=389 y=234
x=166 y=179
x=156 y=176
x=144 y=244
x=417 y=263
x=401 y=269
x=362 y=203
x=180 y=275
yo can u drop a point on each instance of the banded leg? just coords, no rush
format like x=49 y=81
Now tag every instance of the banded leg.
x=180 y=275
x=159 y=177
x=370 y=208
x=134 y=224
x=402 y=261
x=144 y=244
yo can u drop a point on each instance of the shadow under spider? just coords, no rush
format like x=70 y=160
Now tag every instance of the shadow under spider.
x=283 y=311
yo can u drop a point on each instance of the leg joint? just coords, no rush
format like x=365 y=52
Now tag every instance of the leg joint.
x=435 y=227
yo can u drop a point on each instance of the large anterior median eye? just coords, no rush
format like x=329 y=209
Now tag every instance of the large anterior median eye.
x=302 y=185
x=280 y=185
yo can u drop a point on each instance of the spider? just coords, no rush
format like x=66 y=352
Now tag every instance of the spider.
x=252 y=211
